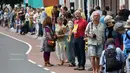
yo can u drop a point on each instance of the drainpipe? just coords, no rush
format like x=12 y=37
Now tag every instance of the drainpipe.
x=100 y=3
x=88 y=6
x=80 y=3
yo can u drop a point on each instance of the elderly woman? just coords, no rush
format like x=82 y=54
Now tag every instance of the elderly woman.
x=110 y=33
x=60 y=44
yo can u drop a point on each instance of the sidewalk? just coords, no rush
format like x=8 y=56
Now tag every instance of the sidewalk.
x=36 y=56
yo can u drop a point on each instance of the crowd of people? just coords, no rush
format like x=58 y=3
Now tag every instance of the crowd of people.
x=65 y=33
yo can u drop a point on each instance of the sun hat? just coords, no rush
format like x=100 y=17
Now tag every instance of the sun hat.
x=108 y=18
x=119 y=26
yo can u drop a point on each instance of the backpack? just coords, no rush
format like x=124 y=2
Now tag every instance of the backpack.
x=112 y=64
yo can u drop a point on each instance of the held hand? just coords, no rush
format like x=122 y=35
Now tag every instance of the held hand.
x=90 y=35
x=55 y=36
x=75 y=32
x=86 y=39
x=70 y=32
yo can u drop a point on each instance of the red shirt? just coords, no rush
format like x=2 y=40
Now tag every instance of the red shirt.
x=81 y=28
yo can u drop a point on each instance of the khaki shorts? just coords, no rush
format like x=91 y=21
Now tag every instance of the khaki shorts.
x=95 y=50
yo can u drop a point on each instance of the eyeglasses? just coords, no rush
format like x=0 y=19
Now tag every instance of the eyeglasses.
x=112 y=22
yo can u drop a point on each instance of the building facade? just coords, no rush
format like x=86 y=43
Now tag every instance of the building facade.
x=114 y=5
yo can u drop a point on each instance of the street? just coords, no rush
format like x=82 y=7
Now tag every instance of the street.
x=13 y=57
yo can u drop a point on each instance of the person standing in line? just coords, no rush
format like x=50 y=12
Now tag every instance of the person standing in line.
x=95 y=33
x=69 y=38
x=110 y=33
x=79 y=42
x=48 y=34
x=60 y=44
x=104 y=13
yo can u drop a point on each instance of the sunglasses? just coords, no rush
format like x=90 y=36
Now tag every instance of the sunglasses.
x=112 y=22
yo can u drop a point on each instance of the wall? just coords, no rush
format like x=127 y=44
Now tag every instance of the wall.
x=50 y=2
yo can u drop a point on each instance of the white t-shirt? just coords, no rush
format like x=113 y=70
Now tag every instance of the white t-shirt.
x=27 y=16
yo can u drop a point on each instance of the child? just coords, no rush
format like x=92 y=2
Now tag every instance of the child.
x=18 y=24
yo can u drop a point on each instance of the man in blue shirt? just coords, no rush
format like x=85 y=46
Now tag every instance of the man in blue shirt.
x=126 y=39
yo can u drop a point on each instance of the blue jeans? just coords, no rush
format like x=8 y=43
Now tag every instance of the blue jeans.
x=126 y=52
x=79 y=46
x=12 y=24
x=40 y=33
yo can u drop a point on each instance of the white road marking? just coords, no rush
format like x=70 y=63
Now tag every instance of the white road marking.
x=30 y=47
x=46 y=69
x=40 y=65
x=32 y=61
x=15 y=54
x=53 y=72
x=16 y=59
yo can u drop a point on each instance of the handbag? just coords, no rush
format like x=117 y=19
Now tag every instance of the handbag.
x=50 y=42
x=47 y=42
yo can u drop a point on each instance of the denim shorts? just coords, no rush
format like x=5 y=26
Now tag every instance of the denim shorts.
x=95 y=50
x=126 y=52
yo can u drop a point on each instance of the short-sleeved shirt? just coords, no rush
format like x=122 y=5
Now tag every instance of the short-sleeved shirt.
x=98 y=31
x=126 y=40
x=81 y=27
x=59 y=32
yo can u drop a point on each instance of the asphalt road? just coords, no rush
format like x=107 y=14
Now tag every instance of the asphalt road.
x=13 y=58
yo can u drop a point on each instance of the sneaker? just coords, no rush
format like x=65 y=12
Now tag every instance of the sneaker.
x=81 y=68
x=76 y=68
x=90 y=69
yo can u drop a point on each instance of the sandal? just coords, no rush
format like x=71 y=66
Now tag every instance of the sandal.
x=61 y=64
x=48 y=65
x=71 y=65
